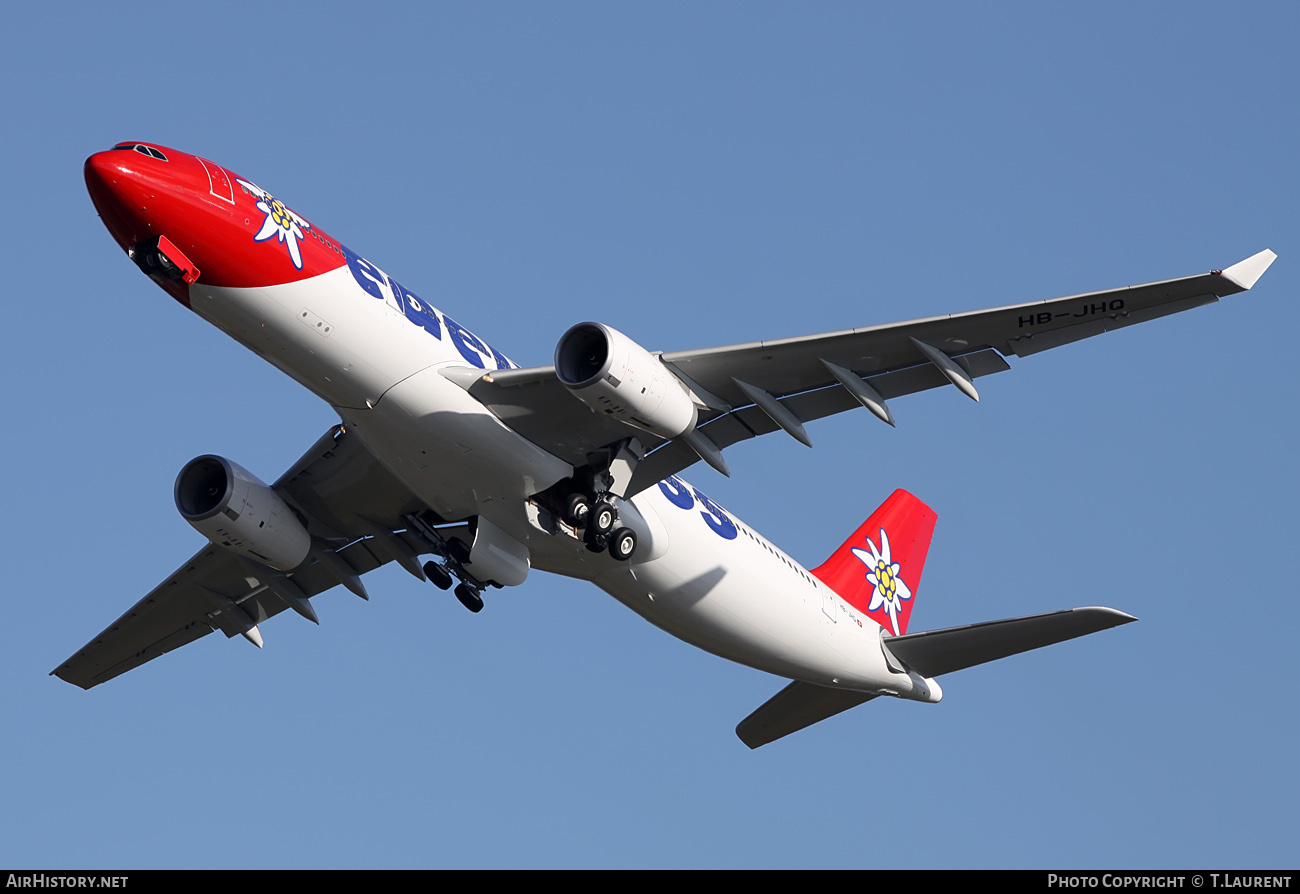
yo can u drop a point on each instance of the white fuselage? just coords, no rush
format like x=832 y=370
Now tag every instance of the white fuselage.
x=375 y=351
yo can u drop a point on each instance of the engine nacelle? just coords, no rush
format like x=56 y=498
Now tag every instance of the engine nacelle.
x=614 y=375
x=231 y=507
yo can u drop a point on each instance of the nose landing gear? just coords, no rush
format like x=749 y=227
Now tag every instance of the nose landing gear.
x=159 y=257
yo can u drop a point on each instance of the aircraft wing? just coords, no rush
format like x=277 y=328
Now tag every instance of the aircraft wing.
x=818 y=375
x=352 y=503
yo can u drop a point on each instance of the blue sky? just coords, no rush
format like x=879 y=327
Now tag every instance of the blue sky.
x=692 y=174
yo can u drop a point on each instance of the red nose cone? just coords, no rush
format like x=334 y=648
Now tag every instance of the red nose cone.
x=115 y=189
x=231 y=230
x=99 y=171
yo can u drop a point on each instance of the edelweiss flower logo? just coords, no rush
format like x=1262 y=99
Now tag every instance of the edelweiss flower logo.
x=882 y=573
x=280 y=221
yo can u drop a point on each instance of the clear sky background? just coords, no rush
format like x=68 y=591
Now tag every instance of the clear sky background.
x=692 y=174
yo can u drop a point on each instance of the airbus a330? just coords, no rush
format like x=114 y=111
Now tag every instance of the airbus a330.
x=470 y=472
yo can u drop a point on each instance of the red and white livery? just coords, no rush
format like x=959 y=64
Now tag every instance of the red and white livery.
x=470 y=472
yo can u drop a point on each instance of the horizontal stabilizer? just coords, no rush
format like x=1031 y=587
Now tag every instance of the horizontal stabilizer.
x=793 y=708
x=936 y=652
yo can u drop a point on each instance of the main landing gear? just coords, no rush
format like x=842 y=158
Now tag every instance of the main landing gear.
x=455 y=554
x=622 y=544
x=469 y=595
x=599 y=522
x=589 y=501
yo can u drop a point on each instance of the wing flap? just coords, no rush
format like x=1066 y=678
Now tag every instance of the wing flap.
x=750 y=422
x=177 y=611
x=936 y=652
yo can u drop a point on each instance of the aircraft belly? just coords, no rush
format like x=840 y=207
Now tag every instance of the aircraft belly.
x=737 y=601
x=452 y=452
x=729 y=596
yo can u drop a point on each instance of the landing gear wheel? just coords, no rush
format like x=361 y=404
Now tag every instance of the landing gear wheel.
x=576 y=510
x=622 y=544
x=469 y=598
x=596 y=542
x=437 y=575
x=602 y=517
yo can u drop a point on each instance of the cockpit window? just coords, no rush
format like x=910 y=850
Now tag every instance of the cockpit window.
x=142 y=149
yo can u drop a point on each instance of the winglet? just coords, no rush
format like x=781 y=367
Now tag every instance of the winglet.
x=1246 y=273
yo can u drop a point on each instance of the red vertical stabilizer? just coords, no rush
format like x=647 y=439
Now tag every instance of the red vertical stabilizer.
x=878 y=569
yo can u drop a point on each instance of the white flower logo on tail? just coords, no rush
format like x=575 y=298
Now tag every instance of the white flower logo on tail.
x=280 y=221
x=883 y=574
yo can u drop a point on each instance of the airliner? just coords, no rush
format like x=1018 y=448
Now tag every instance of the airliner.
x=469 y=472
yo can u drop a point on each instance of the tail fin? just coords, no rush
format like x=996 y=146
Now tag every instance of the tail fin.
x=878 y=569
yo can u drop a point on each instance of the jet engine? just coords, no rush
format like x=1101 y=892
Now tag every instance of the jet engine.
x=233 y=508
x=614 y=375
